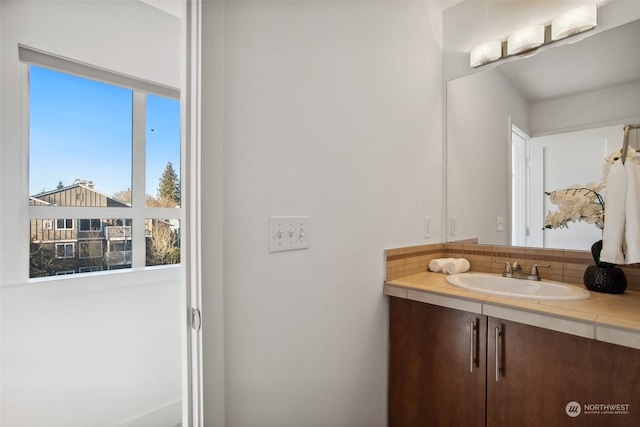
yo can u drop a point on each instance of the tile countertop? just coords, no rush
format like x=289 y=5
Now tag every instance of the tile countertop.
x=604 y=317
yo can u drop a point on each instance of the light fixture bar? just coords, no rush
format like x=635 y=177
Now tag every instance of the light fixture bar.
x=485 y=53
x=525 y=39
x=573 y=22
x=528 y=39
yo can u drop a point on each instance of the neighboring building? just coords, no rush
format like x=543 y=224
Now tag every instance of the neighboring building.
x=71 y=245
x=80 y=193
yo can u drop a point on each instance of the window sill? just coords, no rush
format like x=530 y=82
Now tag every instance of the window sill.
x=98 y=281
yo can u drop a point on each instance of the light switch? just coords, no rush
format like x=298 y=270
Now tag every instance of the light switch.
x=427 y=227
x=287 y=233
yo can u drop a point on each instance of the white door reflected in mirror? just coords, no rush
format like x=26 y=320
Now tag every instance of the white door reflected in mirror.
x=559 y=161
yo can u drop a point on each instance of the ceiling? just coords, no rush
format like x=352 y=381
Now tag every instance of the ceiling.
x=172 y=7
x=598 y=61
x=445 y=4
x=603 y=60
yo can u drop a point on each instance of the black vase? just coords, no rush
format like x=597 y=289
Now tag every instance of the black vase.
x=610 y=280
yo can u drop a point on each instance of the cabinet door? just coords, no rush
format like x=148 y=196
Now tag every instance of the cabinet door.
x=614 y=379
x=537 y=377
x=432 y=378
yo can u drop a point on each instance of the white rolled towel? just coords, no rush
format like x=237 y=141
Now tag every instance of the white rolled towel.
x=437 y=265
x=459 y=265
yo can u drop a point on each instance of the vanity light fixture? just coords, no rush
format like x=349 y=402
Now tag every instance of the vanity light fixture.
x=485 y=53
x=525 y=39
x=573 y=22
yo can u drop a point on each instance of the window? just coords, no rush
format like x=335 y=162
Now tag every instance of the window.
x=120 y=246
x=64 y=272
x=90 y=249
x=64 y=224
x=65 y=250
x=100 y=143
x=163 y=241
x=89 y=269
x=90 y=225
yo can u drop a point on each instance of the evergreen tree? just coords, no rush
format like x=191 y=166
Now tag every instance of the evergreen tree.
x=60 y=185
x=169 y=188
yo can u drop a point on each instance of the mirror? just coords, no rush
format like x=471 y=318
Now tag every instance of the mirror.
x=535 y=124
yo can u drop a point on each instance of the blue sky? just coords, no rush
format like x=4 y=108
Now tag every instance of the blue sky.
x=81 y=129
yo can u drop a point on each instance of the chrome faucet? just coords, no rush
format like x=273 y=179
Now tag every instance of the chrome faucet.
x=515 y=271
x=512 y=270
x=533 y=273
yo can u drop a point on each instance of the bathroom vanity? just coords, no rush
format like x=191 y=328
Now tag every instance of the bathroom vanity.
x=468 y=359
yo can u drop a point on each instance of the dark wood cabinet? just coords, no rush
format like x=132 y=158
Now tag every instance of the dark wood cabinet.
x=522 y=375
x=437 y=366
x=539 y=377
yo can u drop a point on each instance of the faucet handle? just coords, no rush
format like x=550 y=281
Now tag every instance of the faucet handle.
x=508 y=272
x=533 y=273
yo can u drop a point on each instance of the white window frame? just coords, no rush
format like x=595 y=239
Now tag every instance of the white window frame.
x=65 y=244
x=111 y=243
x=519 y=187
x=65 y=228
x=137 y=212
x=80 y=230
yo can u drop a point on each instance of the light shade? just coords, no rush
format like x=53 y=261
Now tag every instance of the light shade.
x=485 y=53
x=525 y=39
x=574 y=22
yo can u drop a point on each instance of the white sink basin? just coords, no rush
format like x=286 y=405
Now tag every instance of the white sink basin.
x=497 y=285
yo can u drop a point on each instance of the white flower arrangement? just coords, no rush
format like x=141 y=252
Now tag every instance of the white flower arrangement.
x=584 y=202
x=576 y=203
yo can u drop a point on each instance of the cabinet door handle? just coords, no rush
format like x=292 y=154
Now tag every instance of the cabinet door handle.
x=498 y=353
x=472 y=345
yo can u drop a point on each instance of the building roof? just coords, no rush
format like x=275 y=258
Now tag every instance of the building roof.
x=54 y=198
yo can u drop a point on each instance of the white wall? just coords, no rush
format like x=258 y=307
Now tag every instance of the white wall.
x=78 y=353
x=101 y=351
x=618 y=104
x=331 y=110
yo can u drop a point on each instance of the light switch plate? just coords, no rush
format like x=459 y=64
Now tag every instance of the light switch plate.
x=427 y=227
x=287 y=233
